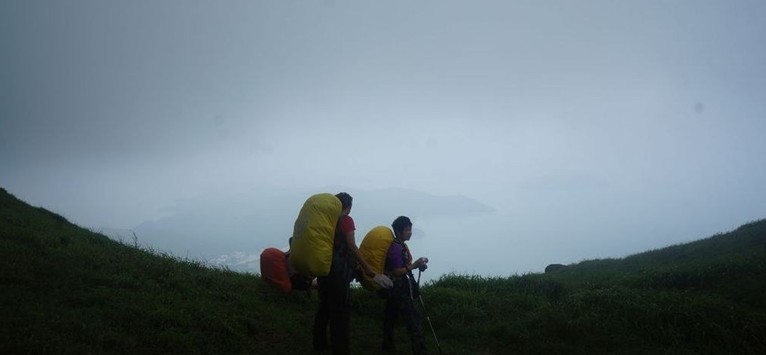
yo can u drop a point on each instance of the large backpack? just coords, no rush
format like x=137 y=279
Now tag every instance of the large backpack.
x=276 y=272
x=374 y=250
x=313 y=235
x=274 y=269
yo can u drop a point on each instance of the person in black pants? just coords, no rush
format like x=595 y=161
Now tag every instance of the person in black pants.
x=334 y=289
x=399 y=300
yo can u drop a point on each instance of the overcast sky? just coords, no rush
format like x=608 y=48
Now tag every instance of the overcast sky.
x=594 y=118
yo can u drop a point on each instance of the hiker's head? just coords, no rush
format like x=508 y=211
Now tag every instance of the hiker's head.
x=345 y=201
x=402 y=227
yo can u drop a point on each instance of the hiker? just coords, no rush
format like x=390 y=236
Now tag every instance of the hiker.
x=334 y=289
x=399 y=299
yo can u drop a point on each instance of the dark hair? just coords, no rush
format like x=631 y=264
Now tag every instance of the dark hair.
x=400 y=223
x=345 y=199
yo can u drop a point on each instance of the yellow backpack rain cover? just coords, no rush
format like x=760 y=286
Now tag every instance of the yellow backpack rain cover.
x=313 y=234
x=374 y=249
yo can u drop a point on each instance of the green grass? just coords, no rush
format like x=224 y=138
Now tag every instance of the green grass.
x=69 y=290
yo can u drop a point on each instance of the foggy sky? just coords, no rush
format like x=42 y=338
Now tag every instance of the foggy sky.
x=593 y=121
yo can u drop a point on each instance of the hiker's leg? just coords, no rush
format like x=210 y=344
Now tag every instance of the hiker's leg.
x=389 y=320
x=340 y=314
x=322 y=317
x=414 y=326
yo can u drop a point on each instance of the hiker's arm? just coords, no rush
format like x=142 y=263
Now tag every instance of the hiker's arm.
x=351 y=242
x=407 y=268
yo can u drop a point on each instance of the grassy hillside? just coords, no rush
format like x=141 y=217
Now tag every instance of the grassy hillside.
x=68 y=290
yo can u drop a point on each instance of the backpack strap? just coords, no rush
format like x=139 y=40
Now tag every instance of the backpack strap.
x=409 y=278
x=406 y=256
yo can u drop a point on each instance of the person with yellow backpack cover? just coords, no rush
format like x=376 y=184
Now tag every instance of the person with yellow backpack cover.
x=334 y=288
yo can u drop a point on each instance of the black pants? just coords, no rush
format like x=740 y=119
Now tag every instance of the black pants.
x=335 y=310
x=400 y=302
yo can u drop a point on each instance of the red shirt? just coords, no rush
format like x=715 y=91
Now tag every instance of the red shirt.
x=345 y=225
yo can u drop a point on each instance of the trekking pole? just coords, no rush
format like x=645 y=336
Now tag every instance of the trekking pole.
x=420 y=296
